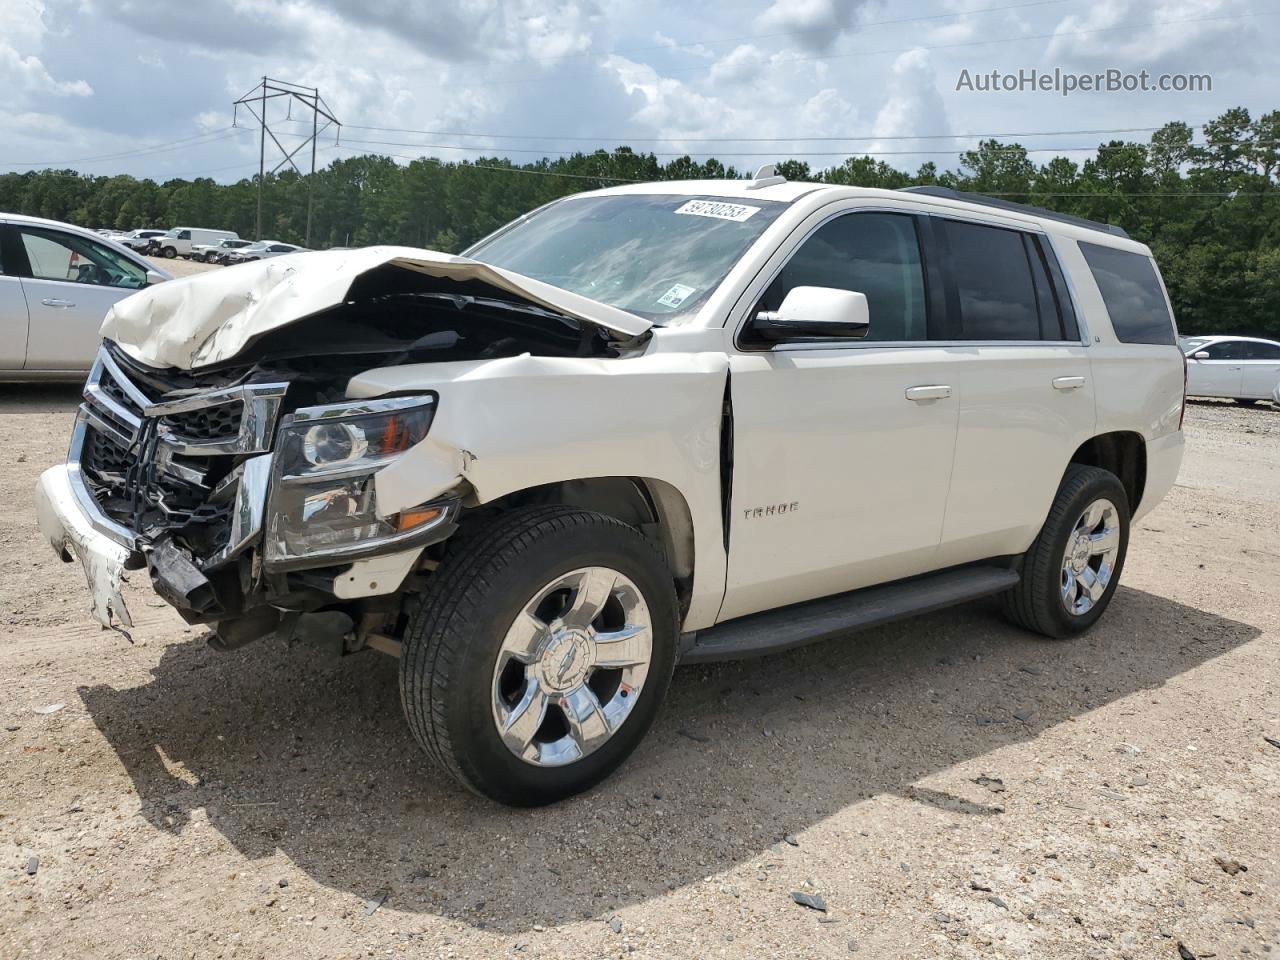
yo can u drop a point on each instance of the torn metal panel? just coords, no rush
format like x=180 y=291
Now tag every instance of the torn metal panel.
x=518 y=422
x=63 y=523
x=206 y=319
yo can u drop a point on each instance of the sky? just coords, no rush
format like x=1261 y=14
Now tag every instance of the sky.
x=146 y=87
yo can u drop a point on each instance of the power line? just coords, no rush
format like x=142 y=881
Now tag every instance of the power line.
x=795 y=139
x=207 y=137
x=491 y=150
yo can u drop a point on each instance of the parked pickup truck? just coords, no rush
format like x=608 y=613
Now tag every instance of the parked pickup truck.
x=657 y=424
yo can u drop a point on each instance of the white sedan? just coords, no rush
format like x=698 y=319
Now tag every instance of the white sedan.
x=1244 y=369
x=57 y=283
x=262 y=250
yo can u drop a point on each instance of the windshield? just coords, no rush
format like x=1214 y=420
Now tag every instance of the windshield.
x=656 y=256
x=1189 y=344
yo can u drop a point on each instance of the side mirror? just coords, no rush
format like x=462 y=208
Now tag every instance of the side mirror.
x=154 y=276
x=1200 y=355
x=818 y=312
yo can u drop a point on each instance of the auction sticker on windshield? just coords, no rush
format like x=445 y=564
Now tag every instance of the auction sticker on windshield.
x=720 y=211
x=677 y=295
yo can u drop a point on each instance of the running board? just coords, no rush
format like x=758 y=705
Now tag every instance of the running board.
x=776 y=630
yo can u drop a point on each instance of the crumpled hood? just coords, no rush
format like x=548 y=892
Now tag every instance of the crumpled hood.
x=208 y=318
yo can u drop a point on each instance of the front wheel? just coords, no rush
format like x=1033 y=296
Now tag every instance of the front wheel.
x=168 y=252
x=1071 y=571
x=539 y=653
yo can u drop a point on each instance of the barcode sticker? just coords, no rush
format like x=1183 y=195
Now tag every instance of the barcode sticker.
x=718 y=210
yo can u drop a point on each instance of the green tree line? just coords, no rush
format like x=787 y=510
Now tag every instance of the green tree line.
x=1206 y=205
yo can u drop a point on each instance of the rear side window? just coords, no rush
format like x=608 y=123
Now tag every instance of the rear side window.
x=1002 y=284
x=1132 y=292
x=1261 y=351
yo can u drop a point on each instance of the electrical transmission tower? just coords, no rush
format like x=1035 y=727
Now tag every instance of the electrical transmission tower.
x=255 y=101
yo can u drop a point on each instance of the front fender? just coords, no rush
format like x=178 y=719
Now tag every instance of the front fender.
x=509 y=424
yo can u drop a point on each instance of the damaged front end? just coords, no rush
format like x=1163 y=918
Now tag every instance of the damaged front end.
x=240 y=495
x=243 y=481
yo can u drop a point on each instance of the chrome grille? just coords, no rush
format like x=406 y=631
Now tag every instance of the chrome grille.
x=173 y=462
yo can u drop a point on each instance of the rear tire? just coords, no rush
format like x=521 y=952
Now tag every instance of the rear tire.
x=1065 y=588
x=534 y=727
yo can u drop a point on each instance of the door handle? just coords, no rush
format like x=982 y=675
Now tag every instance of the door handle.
x=57 y=302
x=1068 y=383
x=933 y=391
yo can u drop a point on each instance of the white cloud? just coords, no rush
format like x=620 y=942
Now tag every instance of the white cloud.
x=743 y=63
x=22 y=32
x=1145 y=32
x=674 y=45
x=813 y=24
x=914 y=105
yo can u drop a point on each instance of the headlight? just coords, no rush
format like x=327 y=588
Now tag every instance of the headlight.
x=323 y=507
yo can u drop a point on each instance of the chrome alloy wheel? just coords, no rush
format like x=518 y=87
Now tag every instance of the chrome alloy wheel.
x=1090 y=557
x=571 y=667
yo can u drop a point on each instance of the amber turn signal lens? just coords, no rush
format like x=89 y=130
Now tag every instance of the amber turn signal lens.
x=408 y=519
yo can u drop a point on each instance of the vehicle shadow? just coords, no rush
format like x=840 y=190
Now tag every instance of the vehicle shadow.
x=40 y=398
x=311 y=758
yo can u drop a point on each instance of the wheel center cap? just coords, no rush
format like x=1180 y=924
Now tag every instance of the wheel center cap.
x=564 y=661
x=1080 y=554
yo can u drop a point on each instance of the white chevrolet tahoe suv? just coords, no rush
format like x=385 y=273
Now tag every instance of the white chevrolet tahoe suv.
x=657 y=424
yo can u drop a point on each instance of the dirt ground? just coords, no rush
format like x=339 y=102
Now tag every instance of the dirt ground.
x=949 y=786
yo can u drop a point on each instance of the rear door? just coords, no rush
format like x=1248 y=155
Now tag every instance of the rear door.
x=70 y=283
x=13 y=306
x=1261 y=370
x=1221 y=374
x=1023 y=381
x=841 y=449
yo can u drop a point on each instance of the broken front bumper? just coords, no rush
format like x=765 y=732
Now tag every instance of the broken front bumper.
x=76 y=529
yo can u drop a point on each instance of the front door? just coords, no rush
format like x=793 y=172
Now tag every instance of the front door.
x=70 y=284
x=1221 y=374
x=841 y=449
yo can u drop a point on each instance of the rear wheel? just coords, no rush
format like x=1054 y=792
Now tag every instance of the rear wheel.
x=1071 y=571
x=537 y=657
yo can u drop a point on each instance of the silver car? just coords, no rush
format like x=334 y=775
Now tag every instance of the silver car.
x=57 y=283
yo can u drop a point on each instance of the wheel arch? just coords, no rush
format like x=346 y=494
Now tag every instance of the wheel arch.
x=658 y=509
x=1121 y=452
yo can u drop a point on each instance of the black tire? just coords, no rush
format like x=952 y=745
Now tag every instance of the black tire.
x=458 y=623
x=1245 y=401
x=1036 y=603
x=168 y=252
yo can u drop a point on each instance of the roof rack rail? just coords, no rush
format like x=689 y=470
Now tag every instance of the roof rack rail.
x=948 y=194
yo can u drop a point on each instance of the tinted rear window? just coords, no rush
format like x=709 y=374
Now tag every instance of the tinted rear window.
x=1132 y=292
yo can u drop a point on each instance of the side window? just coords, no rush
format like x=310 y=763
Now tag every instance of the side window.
x=1131 y=290
x=999 y=296
x=1257 y=351
x=1224 y=350
x=54 y=255
x=184 y=234
x=877 y=254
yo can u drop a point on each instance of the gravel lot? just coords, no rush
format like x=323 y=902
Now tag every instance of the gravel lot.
x=949 y=786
